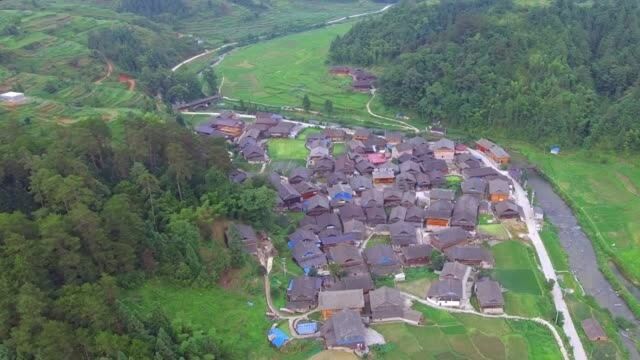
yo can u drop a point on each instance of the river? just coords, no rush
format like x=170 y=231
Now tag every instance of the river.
x=582 y=258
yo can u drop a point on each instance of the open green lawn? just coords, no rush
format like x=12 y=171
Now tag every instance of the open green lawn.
x=281 y=71
x=237 y=314
x=461 y=336
x=517 y=272
x=378 y=240
x=308 y=131
x=287 y=149
x=496 y=230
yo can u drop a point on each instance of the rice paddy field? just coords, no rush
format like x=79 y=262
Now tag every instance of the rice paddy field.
x=280 y=72
x=461 y=336
x=229 y=21
x=517 y=272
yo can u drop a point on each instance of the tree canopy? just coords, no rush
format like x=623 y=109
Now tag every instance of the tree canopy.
x=84 y=215
x=563 y=73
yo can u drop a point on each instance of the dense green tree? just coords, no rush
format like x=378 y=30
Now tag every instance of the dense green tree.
x=561 y=73
x=306 y=103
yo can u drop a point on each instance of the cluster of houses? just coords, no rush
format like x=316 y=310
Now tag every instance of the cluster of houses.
x=249 y=138
x=394 y=187
x=361 y=80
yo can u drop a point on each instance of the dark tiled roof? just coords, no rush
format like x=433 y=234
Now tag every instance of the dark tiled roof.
x=345 y=254
x=342 y=299
x=442 y=194
x=474 y=186
x=489 y=293
x=413 y=252
x=449 y=289
x=439 y=209
x=465 y=211
x=453 y=270
x=474 y=254
x=449 y=237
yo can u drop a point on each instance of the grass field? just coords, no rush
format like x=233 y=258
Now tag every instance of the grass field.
x=281 y=71
x=461 y=336
x=287 y=149
x=518 y=273
x=237 y=313
x=379 y=240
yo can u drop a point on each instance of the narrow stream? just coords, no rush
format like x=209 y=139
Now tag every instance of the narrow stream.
x=582 y=258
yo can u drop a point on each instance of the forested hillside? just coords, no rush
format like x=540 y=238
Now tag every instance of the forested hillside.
x=85 y=216
x=564 y=72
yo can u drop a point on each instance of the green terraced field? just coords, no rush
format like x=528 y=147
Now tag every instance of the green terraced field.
x=461 y=336
x=232 y=22
x=51 y=48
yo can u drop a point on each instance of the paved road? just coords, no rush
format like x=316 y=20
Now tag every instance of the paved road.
x=547 y=267
x=207 y=52
x=359 y=15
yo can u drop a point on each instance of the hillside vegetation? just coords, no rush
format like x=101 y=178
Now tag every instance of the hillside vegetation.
x=565 y=72
x=67 y=60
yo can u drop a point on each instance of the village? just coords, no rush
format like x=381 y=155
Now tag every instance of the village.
x=381 y=209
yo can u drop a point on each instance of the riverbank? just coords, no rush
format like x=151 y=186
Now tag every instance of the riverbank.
x=581 y=252
x=602 y=190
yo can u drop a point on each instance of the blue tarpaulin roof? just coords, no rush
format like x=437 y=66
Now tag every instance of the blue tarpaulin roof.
x=278 y=337
x=306 y=328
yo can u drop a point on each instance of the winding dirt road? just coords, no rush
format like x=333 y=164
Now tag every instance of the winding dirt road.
x=402 y=123
x=109 y=69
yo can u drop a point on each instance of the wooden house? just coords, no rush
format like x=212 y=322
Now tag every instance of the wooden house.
x=229 y=124
x=438 y=215
x=383 y=177
x=499 y=190
x=493 y=151
x=382 y=260
x=449 y=237
x=335 y=134
x=470 y=255
x=317 y=205
x=361 y=134
x=444 y=149
x=345 y=330
x=489 y=296
x=465 y=212
x=416 y=255
x=245 y=235
x=302 y=293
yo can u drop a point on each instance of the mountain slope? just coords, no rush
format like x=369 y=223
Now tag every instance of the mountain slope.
x=558 y=73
